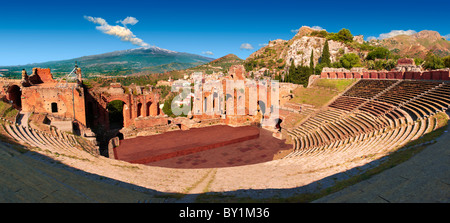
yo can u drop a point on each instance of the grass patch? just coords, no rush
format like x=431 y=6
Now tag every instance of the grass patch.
x=338 y=85
x=7 y=111
x=313 y=96
x=186 y=190
x=322 y=91
x=210 y=181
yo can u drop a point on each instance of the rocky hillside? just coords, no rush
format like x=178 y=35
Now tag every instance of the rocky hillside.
x=416 y=45
x=279 y=53
x=218 y=65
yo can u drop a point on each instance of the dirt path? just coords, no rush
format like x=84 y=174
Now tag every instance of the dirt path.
x=201 y=187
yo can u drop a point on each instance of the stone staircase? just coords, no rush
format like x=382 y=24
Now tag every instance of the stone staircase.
x=355 y=130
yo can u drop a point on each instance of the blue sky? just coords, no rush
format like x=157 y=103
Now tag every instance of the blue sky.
x=39 y=31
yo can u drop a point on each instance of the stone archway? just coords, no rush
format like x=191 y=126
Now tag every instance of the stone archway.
x=115 y=111
x=14 y=95
x=147 y=108
x=139 y=110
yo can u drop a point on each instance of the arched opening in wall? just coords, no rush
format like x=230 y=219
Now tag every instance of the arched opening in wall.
x=205 y=104
x=229 y=99
x=54 y=107
x=76 y=128
x=115 y=114
x=139 y=110
x=158 y=110
x=262 y=107
x=148 y=106
x=89 y=113
x=216 y=107
x=14 y=96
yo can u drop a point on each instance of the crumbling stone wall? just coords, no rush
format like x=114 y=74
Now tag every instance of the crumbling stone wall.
x=41 y=75
x=340 y=73
x=141 y=107
x=65 y=102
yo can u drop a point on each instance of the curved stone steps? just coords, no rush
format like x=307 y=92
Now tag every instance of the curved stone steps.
x=11 y=132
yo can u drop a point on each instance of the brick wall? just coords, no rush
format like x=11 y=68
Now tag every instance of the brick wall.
x=62 y=102
x=425 y=75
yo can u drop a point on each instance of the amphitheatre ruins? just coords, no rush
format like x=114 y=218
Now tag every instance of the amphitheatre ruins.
x=246 y=143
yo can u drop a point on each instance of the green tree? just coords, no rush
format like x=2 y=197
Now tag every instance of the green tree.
x=370 y=64
x=249 y=65
x=302 y=75
x=167 y=108
x=344 y=35
x=390 y=64
x=378 y=53
x=433 y=62
x=317 y=33
x=325 y=58
x=299 y=74
x=318 y=68
x=446 y=61
x=379 y=64
x=336 y=64
x=418 y=61
x=311 y=61
x=291 y=72
x=350 y=60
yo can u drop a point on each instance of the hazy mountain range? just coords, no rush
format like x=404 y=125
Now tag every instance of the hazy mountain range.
x=123 y=62
x=417 y=44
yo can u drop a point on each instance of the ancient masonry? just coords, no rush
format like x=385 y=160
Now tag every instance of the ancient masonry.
x=140 y=106
x=406 y=69
x=247 y=103
x=72 y=103
x=40 y=93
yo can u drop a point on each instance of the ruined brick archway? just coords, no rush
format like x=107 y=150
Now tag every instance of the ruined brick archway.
x=139 y=110
x=116 y=114
x=14 y=95
x=148 y=105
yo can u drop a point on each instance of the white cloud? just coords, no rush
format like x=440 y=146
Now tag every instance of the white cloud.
x=447 y=37
x=369 y=38
x=391 y=34
x=96 y=20
x=208 y=53
x=122 y=32
x=317 y=27
x=263 y=44
x=246 y=46
x=396 y=33
x=313 y=27
x=128 y=20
